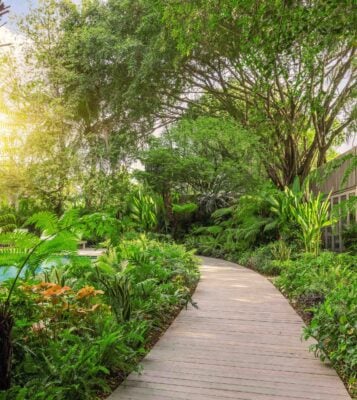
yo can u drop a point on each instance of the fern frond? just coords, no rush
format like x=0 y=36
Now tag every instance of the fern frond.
x=12 y=256
x=69 y=218
x=222 y=212
x=18 y=239
x=45 y=221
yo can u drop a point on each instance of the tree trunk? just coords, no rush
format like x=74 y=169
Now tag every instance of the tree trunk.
x=321 y=159
x=166 y=195
x=6 y=324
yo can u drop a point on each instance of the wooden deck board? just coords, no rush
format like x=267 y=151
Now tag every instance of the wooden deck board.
x=243 y=343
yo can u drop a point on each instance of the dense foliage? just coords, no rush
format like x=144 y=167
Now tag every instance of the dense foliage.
x=81 y=321
x=325 y=289
x=134 y=124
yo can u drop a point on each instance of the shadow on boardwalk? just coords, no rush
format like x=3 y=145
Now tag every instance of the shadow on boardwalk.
x=243 y=343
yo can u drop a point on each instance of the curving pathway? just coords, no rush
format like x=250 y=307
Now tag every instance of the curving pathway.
x=243 y=343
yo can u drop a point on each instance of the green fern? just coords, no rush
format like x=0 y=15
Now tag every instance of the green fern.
x=222 y=212
x=8 y=223
x=186 y=208
x=27 y=251
x=44 y=221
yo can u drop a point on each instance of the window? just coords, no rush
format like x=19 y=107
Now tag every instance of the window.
x=333 y=235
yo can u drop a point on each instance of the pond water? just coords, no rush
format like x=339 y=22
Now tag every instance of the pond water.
x=7 y=273
x=10 y=272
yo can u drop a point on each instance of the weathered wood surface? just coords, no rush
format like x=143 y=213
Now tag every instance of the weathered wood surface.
x=243 y=343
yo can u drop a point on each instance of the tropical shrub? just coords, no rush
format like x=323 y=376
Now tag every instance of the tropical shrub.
x=245 y=225
x=309 y=213
x=80 y=321
x=281 y=251
x=143 y=210
x=308 y=276
x=324 y=288
x=349 y=237
x=308 y=279
x=334 y=328
x=261 y=259
x=312 y=216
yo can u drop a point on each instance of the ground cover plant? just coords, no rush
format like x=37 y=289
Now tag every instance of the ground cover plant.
x=324 y=290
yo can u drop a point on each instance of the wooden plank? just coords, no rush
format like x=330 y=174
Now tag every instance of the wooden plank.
x=243 y=343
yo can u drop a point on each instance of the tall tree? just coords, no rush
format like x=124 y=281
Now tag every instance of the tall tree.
x=284 y=69
x=73 y=145
x=210 y=161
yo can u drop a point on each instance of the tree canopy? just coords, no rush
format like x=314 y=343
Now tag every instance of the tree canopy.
x=283 y=70
x=103 y=82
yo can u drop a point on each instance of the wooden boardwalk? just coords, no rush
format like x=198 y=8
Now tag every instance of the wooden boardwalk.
x=243 y=343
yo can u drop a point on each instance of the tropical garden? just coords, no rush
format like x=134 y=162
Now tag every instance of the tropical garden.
x=153 y=131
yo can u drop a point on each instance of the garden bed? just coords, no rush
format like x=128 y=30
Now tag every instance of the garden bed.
x=80 y=329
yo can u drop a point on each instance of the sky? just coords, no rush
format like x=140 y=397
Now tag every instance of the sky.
x=17 y=7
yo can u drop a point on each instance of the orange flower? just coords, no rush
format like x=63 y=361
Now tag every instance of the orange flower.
x=88 y=291
x=55 y=290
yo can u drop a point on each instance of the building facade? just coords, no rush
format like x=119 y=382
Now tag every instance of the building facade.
x=339 y=193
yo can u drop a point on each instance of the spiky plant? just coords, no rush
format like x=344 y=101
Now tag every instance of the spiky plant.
x=117 y=289
x=309 y=212
x=312 y=216
x=144 y=210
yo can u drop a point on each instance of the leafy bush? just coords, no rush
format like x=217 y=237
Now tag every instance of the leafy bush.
x=349 y=237
x=184 y=208
x=205 y=245
x=261 y=260
x=310 y=275
x=248 y=224
x=300 y=207
x=280 y=251
x=143 y=210
x=334 y=328
x=325 y=289
x=78 y=323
